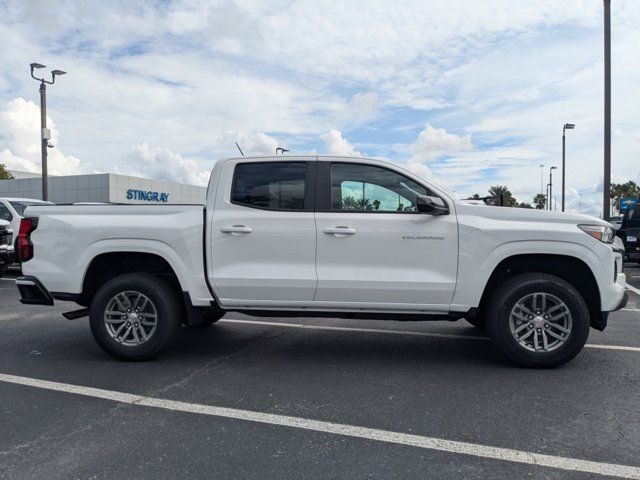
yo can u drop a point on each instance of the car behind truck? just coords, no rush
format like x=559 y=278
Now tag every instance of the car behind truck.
x=325 y=236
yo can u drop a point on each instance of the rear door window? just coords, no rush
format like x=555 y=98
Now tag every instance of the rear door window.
x=270 y=185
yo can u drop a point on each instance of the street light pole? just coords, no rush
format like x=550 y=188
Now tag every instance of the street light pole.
x=566 y=126
x=541 y=174
x=551 y=186
x=547 y=198
x=45 y=135
x=606 y=191
x=580 y=195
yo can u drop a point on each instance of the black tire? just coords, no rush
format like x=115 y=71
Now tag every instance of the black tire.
x=510 y=293
x=478 y=321
x=210 y=318
x=160 y=294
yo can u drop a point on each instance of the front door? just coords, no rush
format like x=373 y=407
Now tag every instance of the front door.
x=374 y=249
x=263 y=233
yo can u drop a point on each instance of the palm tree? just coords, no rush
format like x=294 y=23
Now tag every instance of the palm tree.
x=349 y=203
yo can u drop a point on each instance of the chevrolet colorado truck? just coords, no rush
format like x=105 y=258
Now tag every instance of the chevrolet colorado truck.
x=331 y=237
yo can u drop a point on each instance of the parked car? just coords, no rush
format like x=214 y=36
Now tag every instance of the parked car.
x=12 y=209
x=325 y=236
x=6 y=246
x=630 y=233
x=616 y=221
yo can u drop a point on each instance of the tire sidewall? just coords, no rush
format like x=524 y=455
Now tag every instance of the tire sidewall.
x=163 y=297
x=522 y=285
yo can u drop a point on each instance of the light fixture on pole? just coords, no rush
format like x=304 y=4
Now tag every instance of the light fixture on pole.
x=551 y=186
x=541 y=174
x=567 y=126
x=45 y=134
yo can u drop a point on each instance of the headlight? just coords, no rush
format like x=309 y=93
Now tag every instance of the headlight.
x=604 y=233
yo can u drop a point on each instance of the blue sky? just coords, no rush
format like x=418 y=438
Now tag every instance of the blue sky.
x=469 y=94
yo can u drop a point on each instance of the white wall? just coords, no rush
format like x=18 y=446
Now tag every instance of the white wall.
x=103 y=187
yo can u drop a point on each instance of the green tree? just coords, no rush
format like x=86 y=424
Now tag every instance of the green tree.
x=497 y=190
x=524 y=205
x=4 y=173
x=540 y=201
x=349 y=203
x=624 y=190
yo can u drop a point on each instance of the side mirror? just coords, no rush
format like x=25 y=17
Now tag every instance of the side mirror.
x=431 y=205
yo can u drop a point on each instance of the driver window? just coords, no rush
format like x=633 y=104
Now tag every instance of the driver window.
x=366 y=188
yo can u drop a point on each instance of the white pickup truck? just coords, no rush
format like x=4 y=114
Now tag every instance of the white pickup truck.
x=331 y=237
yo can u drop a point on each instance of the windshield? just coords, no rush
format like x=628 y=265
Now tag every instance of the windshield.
x=21 y=205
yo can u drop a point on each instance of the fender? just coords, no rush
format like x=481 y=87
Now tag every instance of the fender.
x=472 y=278
x=189 y=282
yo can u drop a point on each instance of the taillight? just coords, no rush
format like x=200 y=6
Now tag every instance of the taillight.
x=24 y=246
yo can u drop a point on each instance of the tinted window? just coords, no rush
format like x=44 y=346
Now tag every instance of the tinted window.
x=270 y=185
x=372 y=189
x=5 y=214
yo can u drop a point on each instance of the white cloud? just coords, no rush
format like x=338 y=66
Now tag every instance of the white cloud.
x=335 y=144
x=437 y=142
x=256 y=143
x=162 y=164
x=20 y=142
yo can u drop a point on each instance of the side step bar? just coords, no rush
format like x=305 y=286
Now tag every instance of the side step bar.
x=75 y=314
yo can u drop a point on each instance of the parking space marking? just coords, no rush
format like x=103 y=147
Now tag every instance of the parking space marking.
x=386 y=436
x=402 y=332
x=633 y=289
x=8 y=280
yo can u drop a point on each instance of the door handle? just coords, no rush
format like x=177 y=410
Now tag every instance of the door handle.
x=236 y=229
x=340 y=231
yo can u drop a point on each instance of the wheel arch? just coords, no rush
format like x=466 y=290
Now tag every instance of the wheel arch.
x=571 y=269
x=105 y=266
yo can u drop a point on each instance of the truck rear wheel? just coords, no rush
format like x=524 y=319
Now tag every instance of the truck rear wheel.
x=538 y=320
x=135 y=316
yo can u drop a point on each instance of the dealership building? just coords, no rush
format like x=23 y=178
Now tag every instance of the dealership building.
x=102 y=188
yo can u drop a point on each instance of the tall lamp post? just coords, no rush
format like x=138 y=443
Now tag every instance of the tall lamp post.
x=580 y=195
x=541 y=174
x=45 y=135
x=551 y=185
x=567 y=126
x=606 y=191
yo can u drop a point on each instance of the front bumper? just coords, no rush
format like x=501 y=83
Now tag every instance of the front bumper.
x=33 y=292
x=6 y=256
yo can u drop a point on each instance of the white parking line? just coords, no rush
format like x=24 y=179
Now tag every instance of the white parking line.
x=403 y=332
x=430 y=443
x=8 y=280
x=633 y=289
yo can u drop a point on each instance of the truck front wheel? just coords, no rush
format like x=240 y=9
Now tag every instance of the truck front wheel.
x=135 y=316
x=538 y=320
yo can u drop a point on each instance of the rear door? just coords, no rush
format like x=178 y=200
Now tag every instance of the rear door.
x=263 y=233
x=374 y=249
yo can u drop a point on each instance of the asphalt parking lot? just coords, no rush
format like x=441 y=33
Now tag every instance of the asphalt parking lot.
x=313 y=398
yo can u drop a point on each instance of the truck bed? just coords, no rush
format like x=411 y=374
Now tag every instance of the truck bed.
x=69 y=237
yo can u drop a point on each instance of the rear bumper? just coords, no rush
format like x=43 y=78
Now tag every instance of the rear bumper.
x=33 y=292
